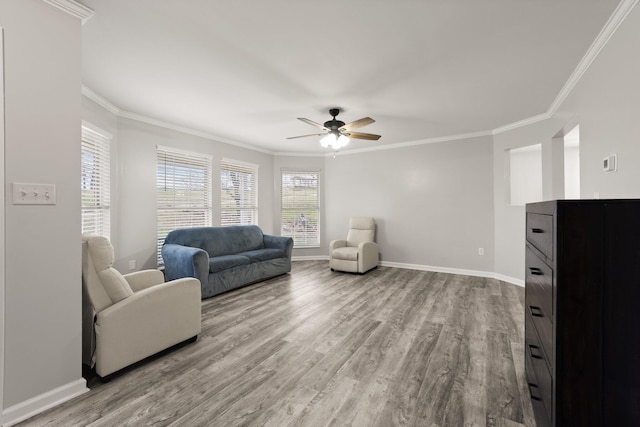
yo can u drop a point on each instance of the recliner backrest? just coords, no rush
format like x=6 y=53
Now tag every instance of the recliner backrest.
x=104 y=284
x=361 y=229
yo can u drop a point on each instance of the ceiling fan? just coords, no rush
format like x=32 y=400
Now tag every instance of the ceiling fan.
x=338 y=133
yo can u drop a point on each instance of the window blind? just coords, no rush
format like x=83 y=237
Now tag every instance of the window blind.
x=238 y=193
x=183 y=181
x=300 y=207
x=95 y=181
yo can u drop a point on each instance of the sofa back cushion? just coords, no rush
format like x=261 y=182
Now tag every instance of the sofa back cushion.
x=219 y=240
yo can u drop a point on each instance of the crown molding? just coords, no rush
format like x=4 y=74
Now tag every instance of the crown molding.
x=107 y=105
x=609 y=29
x=458 y=137
x=189 y=131
x=521 y=123
x=100 y=100
x=73 y=8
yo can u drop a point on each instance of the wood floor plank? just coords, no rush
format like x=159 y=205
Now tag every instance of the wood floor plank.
x=393 y=347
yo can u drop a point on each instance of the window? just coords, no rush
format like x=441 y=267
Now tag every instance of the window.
x=183 y=181
x=239 y=193
x=95 y=181
x=301 y=208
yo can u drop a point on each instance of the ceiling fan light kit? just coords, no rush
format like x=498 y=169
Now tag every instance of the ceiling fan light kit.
x=334 y=140
x=338 y=133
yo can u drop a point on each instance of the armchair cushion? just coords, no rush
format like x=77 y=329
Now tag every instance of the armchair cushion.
x=114 y=283
x=349 y=253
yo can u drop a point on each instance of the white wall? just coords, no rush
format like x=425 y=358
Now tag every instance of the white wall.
x=433 y=203
x=525 y=174
x=605 y=104
x=42 y=313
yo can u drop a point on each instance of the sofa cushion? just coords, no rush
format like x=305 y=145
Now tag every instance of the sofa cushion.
x=347 y=253
x=219 y=240
x=264 y=254
x=223 y=262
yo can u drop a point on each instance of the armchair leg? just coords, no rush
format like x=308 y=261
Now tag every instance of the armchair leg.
x=105 y=379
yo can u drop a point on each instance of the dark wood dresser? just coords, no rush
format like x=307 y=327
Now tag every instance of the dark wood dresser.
x=582 y=312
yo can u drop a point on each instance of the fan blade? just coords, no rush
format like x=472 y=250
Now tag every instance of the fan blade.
x=304 y=136
x=312 y=123
x=362 y=135
x=358 y=124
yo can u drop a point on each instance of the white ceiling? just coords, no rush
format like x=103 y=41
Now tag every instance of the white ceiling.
x=423 y=69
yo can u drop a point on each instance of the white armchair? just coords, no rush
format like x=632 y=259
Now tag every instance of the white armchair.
x=126 y=318
x=359 y=253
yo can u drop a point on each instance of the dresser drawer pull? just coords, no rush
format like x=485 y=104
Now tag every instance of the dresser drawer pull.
x=536 y=311
x=535 y=348
x=534 y=396
x=537 y=230
x=536 y=271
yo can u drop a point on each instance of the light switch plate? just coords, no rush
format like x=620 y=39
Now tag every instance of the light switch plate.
x=34 y=194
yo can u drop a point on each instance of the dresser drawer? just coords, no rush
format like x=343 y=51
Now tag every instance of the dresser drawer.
x=540 y=232
x=538 y=374
x=539 y=299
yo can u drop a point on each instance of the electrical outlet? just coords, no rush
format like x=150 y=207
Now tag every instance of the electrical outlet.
x=34 y=194
x=480 y=251
x=132 y=264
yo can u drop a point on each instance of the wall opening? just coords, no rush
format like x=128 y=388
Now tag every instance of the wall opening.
x=572 y=164
x=525 y=175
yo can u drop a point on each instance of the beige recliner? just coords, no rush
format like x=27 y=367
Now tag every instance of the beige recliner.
x=128 y=318
x=359 y=253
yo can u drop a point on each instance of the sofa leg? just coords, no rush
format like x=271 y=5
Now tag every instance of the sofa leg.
x=193 y=339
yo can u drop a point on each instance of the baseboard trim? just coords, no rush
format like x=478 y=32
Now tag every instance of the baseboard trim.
x=461 y=271
x=27 y=409
x=310 y=258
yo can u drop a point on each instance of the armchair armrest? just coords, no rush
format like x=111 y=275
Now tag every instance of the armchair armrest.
x=369 y=258
x=140 y=280
x=185 y=261
x=279 y=242
x=336 y=244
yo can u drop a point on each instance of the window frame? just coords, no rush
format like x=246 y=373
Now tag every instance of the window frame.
x=250 y=204
x=290 y=223
x=195 y=210
x=97 y=173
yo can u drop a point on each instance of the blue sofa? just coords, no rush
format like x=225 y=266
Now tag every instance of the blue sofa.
x=225 y=258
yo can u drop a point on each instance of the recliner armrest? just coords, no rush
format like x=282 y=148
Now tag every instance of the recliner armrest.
x=336 y=244
x=140 y=280
x=366 y=247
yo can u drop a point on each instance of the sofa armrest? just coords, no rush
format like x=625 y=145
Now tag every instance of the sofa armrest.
x=146 y=322
x=185 y=261
x=279 y=242
x=140 y=280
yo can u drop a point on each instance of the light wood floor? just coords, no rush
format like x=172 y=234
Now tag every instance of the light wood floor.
x=392 y=347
